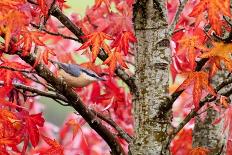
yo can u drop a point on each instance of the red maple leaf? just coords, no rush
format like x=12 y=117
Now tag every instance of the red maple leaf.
x=43 y=6
x=32 y=121
x=8 y=75
x=28 y=37
x=55 y=147
x=121 y=43
x=96 y=40
x=201 y=81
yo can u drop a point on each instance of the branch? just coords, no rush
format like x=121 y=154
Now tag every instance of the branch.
x=39 y=92
x=177 y=16
x=55 y=34
x=16 y=70
x=120 y=131
x=74 y=101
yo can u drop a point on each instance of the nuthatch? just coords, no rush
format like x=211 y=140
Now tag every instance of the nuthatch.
x=76 y=75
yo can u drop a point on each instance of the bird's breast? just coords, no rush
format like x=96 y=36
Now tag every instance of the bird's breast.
x=80 y=81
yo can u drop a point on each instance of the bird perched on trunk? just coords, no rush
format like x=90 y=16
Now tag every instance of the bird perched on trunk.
x=76 y=75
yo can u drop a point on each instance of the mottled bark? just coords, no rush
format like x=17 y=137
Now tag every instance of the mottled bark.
x=205 y=134
x=152 y=59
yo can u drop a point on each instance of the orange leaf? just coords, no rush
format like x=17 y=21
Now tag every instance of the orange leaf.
x=199 y=151
x=96 y=40
x=189 y=44
x=201 y=81
x=219 y=52
x=75 y=126
x=46 y=54
x=112 y=60
x=99 y=2
x=12 y=21
x=55 y=147
x=216 y=9
x=27 y=38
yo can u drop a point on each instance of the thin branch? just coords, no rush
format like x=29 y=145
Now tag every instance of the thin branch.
x=16 y=70
x=39 y=82
x=55 y=34
x=39 y=92
x=120 y=131
x=177 y=16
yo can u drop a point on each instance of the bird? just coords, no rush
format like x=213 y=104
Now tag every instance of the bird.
x=75 y=75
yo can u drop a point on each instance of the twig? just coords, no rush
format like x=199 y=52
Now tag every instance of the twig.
x=39 y=82
x=39 y=92
x=177 y=16
x=55 y=34
x=16 y=70
x=120 y=131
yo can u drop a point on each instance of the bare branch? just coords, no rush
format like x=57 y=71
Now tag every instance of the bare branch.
x=177 y=16
x=55 y=34
x=120 y=131
x=16 y=70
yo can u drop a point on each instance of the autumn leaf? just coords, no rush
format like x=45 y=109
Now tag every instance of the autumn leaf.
x=216 y=9
x=8 y=75
x=98 y=3
x=112 y=60
x=189 y=44
x=46 y=54
x=32 y=121
x=201 y=81
x=28 y=37
x=121 y=43
x=96 y=41
x=199 y=151
x=11 y=22
x=55 y=147
x=11 y=3
x=219 y=52
x=43 y=6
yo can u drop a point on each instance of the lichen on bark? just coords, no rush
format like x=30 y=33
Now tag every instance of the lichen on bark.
x=152 y=59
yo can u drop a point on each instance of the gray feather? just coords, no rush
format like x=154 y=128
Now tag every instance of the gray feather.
x=76 y=70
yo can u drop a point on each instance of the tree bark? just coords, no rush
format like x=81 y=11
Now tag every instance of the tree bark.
x=152 y=59
x=205 y=134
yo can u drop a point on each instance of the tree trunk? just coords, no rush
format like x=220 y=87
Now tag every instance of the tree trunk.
x=152 y=59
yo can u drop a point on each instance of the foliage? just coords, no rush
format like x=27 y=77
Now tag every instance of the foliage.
x=28 y=29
